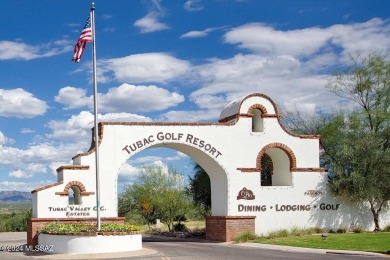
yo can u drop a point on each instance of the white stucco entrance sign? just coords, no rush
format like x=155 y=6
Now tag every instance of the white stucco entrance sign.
x=233 y=152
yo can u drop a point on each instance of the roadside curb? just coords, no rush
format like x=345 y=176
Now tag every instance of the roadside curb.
x=311 y=250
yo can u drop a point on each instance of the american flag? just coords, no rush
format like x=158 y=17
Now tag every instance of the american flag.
x=85 y=36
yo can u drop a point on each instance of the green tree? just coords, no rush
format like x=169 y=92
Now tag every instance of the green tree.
x=357 y=144
x=156 y=194
x=200 y=189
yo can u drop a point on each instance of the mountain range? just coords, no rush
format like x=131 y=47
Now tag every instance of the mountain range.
x=15 y=196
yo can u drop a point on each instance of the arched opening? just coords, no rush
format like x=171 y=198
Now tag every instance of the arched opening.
x=267 y=169
x=217 y=174
x=74 y=196
x=278 y=160
x=282 y=175
x=257 y=121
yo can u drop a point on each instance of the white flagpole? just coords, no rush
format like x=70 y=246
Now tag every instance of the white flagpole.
x=96 y=130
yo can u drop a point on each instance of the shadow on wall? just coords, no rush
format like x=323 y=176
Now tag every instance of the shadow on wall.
x=339 y=212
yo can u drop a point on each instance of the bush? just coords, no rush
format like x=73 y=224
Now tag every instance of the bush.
x=386 y=229
x=14 y=222
x=244 y=237
x=357 y=229
x=179 y=227
x=278 y=233
x=319 y=230
x=301 y=231
x=341 y=230
x=64 y=228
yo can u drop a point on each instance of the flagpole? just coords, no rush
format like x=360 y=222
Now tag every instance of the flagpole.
x=96 y=130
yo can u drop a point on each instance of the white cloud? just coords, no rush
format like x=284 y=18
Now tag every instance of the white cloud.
x=29 y=171
x=21 y=186
x=37 y=159
x=290 y=66
x=145 y=160
x=193 y=5
x=128 y=172
x=5 y=140
x=21 y=51
x=190 y=116
x=146 y=67
x=264 y=39
x=128 y=97
x=373 y=35
x=78 y=127
x=123 y=117
x=39 y=154
x=73 y=97
x=20 y=103
x=150 y=22
x=203 y=33
x=21 y=174
x=26 y=131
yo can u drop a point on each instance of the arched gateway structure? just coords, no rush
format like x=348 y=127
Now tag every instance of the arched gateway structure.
x=263 y=177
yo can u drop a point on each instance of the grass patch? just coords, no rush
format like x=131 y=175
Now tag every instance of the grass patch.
x=369 y=242
x=245 y=237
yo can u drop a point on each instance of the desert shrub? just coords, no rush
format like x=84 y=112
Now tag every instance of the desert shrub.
x=319 y=230
x=179 y=227
x=341 y=230
x=386 y=229
x=244 y=237
x=14 y=222
x=357 y=229
x=301 y=231
x=278 y=233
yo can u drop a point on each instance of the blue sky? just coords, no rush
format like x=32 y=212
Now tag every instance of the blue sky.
x=171 y=61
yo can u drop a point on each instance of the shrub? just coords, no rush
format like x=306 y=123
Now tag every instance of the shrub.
x=386 y=229
x=64 y=228
x=319 y=230
x=179 y=227
x=301 y=231
x=244 y=237
x=357 y=229
x=341 y=230
x=278 y=233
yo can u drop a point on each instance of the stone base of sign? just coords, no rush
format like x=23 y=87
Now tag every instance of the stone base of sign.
x=97 y=244
x=35 y=224
x=226 y=228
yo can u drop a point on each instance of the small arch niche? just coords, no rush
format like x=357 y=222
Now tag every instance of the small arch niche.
x=267 y=168
x=257 y=121
x=75 y=196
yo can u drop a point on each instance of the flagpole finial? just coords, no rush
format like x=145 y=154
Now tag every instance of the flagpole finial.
x=92 y=6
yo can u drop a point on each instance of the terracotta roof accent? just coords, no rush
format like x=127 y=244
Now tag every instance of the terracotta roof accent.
x=72 y=167
x=320 y=169
x=81 y=186
x=48 y=186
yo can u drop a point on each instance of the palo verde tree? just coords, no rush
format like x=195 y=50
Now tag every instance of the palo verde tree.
x=157 y=194
x=357 y=145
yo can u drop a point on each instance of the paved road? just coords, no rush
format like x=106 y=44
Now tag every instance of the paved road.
x=169 y=248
